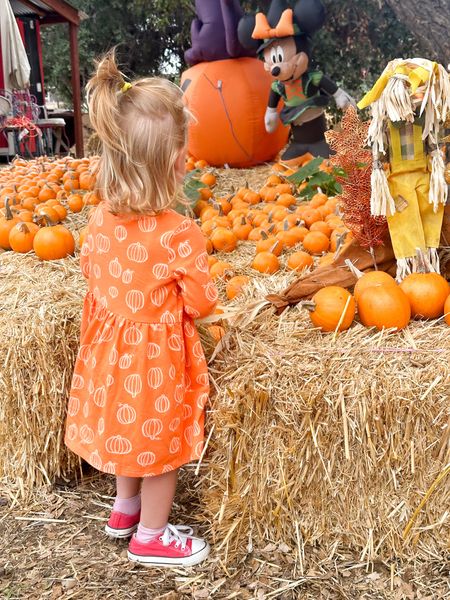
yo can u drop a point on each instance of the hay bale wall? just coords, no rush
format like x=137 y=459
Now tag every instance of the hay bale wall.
x=40 y=312
x=329 y=441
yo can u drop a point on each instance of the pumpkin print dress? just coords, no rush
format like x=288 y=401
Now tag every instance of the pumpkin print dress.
x=136 y=406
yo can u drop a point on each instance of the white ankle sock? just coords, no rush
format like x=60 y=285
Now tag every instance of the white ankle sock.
x=128 y=506
x=146 y=534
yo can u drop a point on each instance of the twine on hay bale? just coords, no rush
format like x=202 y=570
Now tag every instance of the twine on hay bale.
x=40 y=314
x=329 y=440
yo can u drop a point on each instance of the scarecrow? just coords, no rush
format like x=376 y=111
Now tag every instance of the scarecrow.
x=410 y=103
x=283 y=40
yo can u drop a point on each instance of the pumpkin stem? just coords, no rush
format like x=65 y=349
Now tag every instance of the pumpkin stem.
x=43 y=217
x=264 y=235
x=285 y=225
x=356 y=272
x=309 y=305
x=8 y=211
x=22 y=227
x=272 y=248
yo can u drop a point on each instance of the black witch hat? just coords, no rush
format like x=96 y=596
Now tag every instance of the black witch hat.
x=258 y=31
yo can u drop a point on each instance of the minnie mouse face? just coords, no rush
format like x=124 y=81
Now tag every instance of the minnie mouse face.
x=283 y=61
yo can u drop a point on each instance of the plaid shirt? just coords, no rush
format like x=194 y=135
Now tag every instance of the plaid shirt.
x=407 y=149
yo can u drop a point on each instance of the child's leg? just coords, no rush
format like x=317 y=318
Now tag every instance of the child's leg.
x=127 y=487
x=128 y=498
x=156 y=542
x=157 y=497
x=125 y=514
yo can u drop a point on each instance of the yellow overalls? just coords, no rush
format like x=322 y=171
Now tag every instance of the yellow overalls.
x=414 y=225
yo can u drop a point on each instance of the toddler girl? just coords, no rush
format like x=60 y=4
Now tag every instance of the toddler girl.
x=136 y=407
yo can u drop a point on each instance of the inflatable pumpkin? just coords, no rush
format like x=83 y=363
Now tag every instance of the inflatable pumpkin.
x=227 y=90
x=228 y=99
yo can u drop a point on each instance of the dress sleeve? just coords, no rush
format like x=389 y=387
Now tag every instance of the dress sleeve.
x=84 y=257
x=191 y=269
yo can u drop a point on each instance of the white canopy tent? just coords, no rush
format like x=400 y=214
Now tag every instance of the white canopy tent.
x=16 y=67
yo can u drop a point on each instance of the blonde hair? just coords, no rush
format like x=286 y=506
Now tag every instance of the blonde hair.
x=143 y=129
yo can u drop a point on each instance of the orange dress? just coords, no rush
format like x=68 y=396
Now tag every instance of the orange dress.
x=136 y=406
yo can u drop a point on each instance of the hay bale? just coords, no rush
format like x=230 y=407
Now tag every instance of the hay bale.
x=40 y=311
x=328 y=440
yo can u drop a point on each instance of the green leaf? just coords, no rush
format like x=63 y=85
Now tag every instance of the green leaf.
x=192 y=185
x=306 y=171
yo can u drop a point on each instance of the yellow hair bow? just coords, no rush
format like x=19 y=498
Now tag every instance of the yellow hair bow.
x=126 y=86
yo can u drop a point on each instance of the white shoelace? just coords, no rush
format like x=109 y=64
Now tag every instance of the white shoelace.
x=179 y=534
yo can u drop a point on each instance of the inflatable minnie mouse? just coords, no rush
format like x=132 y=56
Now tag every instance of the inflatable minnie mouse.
x=282 y=39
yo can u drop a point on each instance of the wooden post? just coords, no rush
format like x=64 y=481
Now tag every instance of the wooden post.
x=76 y=89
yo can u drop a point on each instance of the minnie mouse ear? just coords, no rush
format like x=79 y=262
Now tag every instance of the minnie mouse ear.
x=245 y=29
x=309 y=15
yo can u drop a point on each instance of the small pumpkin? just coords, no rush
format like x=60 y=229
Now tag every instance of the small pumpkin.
x=217 y=332
x=319 y=199
x=221 y=269
x=316 y=242
x=321 y=226
x=21 y=237
x=427 y=293
x=300 y=260
x=6 y=224
x=223 y=240
x=370 y=279
x=331 y=308
x=53 y=242
x=447 y=310
x=235 y=285
x=384 y=307
x=266 y=262
x=75 y=203
x=269 y=244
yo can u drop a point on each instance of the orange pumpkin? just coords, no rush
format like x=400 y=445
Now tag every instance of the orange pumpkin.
x=266 y=262
x=242 y=229
x=269 y=244
x=300 y=260
x=75 y=203
x=331 y=308
x=310 y=216
x=235 y=285
x=221 y=269
x=384 y=307
x=6 y=224
x=447 y=310
x=21 y=237
x=54 y=242
x=229 y=126
x=370 y=279
x=223 y=240
x=427 y=293
x=217 y=332
x=316 y=242
x=322 y=227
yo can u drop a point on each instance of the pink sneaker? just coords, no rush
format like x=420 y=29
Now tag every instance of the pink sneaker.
x=121 y=525
x=176 y=547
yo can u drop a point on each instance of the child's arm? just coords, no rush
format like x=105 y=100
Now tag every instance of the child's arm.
x=192 y=270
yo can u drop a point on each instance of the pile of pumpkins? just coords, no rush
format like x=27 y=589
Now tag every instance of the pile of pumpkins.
x=381 y=302
x=272 y=218
x=36 y=197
